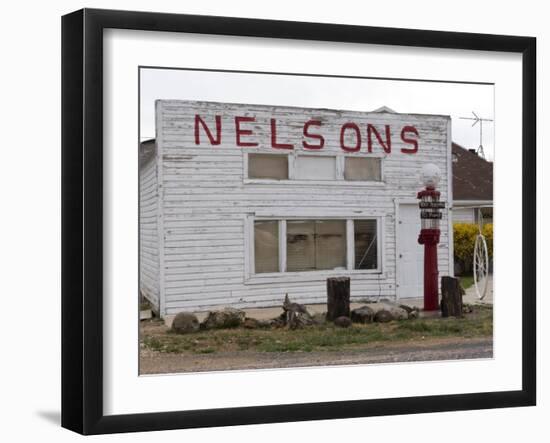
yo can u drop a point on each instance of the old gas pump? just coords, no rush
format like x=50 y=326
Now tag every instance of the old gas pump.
x=430 y=216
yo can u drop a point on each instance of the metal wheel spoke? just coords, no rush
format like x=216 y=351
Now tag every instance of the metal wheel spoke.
x=481 y=266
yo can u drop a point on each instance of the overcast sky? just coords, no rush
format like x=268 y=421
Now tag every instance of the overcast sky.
x=454 y=99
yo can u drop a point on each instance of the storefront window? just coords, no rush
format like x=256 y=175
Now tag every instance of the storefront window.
x=266 y=246
x=316 y=245
x=366 y=248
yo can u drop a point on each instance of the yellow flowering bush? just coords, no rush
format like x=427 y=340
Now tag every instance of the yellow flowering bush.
x=464 y=241
x=487 y=232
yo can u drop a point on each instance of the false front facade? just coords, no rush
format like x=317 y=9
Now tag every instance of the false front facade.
x=241 y=204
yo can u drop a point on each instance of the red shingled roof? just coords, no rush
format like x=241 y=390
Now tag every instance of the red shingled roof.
x=472 y=175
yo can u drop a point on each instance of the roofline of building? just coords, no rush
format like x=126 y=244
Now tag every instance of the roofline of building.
x=206 y=102
x=469 y=151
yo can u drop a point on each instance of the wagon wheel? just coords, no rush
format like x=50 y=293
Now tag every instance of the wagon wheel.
x=481 y=266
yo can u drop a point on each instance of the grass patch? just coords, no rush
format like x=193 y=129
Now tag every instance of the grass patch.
x=319 y=338
x=327 y=337
x=477 y=324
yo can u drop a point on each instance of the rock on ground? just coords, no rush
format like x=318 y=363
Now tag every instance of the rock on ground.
x=364 y=314
x=414 y=314
x=342 y=321
x=278 y=322
x=226 y=318
x=383 y=316
x=397 y=312
x=297 y=320
x=412 y=311
x=185 y=323
x=383 y=311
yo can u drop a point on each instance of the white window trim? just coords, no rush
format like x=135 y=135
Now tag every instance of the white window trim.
x=304 y=276
x=339 y=173
x=282 y=245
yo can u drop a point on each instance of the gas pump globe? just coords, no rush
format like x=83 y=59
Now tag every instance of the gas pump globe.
x=430 y=216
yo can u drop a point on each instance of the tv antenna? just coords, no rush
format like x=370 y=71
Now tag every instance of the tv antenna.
x=477 y=119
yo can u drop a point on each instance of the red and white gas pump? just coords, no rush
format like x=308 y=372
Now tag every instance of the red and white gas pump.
x=430 y=216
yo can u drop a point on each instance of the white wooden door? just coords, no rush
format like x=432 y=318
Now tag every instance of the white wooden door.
x=410 y=254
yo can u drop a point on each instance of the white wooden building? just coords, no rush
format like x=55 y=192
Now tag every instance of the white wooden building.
x=242 y=204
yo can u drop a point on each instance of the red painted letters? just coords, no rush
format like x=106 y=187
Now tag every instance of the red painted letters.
x=312 y=135
x=412 y=141
x=239 y=132
x=213 y=141
x=386 y=146
x=274 y=143
x=318 y=137
x=353 y=126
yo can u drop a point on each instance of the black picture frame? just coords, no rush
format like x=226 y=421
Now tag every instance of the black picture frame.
x=82 y=219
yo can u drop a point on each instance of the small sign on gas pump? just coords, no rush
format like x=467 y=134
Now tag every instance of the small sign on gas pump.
x=431 y=205
x=431 y=215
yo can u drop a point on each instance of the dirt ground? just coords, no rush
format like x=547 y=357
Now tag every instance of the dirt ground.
x=154 y=362
x=425 y=339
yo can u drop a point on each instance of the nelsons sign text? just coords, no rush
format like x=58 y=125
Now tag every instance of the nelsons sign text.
x=351 y=136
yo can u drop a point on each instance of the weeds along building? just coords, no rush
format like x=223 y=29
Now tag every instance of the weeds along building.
x=241 y=204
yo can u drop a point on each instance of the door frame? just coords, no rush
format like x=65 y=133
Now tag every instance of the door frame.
x=450 y=236
x=397 y=202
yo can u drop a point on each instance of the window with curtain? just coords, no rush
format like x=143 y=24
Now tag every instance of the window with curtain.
x=363 y=169
x=366 y=244
x=270 y=166
x=316 y=245
x=266 y=246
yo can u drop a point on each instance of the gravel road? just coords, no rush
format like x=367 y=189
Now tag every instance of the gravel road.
x=152 y=362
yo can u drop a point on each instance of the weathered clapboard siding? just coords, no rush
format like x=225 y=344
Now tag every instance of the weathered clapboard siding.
x=148 y=232
x=463 y=215
x=206 y=199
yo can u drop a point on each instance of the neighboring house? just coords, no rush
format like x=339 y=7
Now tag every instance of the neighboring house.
x=242 y=204
x=472 y=187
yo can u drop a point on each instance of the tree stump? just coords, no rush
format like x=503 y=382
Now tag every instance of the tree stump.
x=337 y=297
x=296 y=315
x=451 y=297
